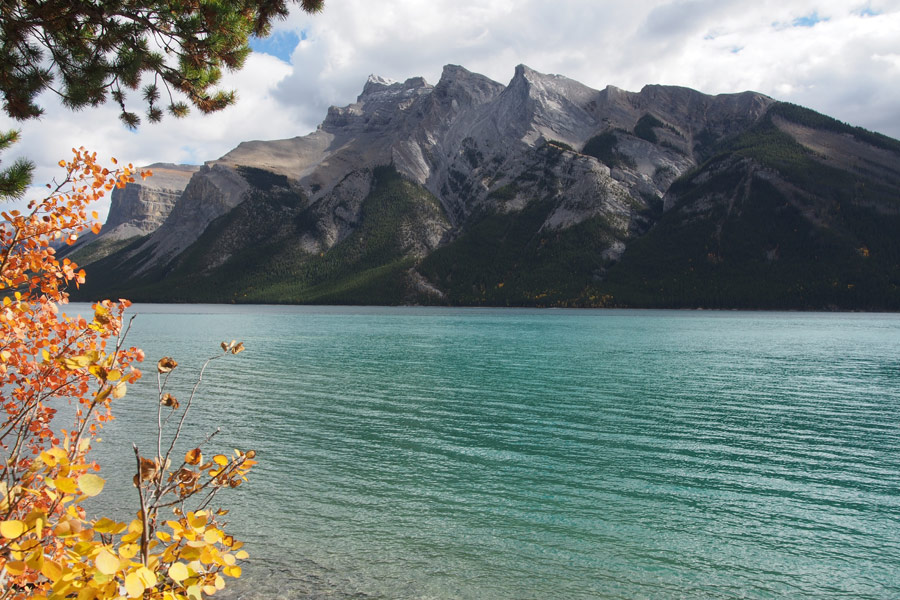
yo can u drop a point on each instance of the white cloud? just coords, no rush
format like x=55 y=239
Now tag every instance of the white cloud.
x=821 y=53
x=835 y=56
x=197 y=138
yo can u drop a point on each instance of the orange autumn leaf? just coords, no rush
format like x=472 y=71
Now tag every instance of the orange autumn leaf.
x=193 y=457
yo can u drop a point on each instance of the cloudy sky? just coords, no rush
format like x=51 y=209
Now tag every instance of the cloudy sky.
x=840 y=57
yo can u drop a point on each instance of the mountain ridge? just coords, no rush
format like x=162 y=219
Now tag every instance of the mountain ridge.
x=544 y=174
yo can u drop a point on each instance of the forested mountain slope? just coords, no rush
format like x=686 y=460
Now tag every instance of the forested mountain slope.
x=543 y=192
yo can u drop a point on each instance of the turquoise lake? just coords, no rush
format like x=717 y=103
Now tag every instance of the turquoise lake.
x=513 y=454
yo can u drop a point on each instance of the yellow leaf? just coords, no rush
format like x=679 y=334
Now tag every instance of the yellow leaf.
x=134 y=587
x=130 y=537
x=220 y=459
x=193 y=592
x=12 y=529
x=232 y=571
x=35 y=560
x=66 y=485
x=178 y=572
x=15 y=567
x=190 y=553
x=175 y=526
x=241 y=555
x=220 y=583
x=76 y=362
x=63 y=529
x=197 y=520
x=211 y=536
x=52 y=570
x=84 y=549
x=105 y=525
x=58 y=452
x=91 y=484
x=107 y=562
x=119 y=390
x=147 y=577
x=127 y=551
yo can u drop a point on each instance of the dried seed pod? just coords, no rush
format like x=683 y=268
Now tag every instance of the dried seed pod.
x=166 y=364
x=169 y=400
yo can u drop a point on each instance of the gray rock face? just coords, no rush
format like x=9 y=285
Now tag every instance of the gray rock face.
x=473 y=143
x=211 y=192
x=541 y=192
x=141 y=207
x=338 y=213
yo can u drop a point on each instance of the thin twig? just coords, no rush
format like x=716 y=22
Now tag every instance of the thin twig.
x=187 y=408
x=145 y=535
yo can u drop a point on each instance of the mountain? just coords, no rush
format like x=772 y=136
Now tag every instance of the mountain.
x=136 y=210
x=543 y=192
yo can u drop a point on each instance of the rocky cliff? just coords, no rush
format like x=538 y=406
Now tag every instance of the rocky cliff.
x=541 y=191
x=141 y=207
x=136 y=210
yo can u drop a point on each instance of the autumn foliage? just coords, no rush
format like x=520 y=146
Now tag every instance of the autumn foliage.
x=50 y=547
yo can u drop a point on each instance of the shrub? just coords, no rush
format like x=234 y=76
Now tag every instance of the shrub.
x=49 y=546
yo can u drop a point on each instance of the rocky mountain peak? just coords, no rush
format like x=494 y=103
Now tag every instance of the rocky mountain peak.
x=550 y=84
x=377 y=87
x=376 y=83
x=465 y=87
x=522 y=78
x=549 y=106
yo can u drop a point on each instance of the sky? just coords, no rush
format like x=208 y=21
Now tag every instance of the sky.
x=839 y=57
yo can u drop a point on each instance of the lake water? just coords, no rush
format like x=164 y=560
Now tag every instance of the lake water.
x=511 y=454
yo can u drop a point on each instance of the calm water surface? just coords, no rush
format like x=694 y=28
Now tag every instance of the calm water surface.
x=440 y=453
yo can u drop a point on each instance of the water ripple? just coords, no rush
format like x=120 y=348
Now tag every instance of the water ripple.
x=435 y=453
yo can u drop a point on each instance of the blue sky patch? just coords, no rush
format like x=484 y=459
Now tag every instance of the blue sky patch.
x=808 y=21
x=280 y=44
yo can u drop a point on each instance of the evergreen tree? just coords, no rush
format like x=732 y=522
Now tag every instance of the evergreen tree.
x=92 y=51
x=13 y=179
